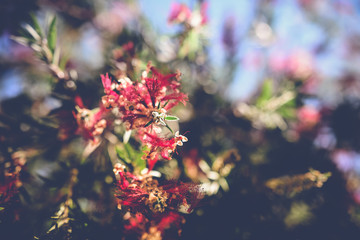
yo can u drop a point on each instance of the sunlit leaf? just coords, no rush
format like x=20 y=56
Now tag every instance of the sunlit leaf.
x=122 y=155
x=22 y=40
x=150 y=122
x=140 y=163
x=127 y=136
x=36 y=25
x=291 y=185
x=30 y=30
x=171 y=118
x=190 y=45
x=52 y=35
x=131 y=152
x=266 y=92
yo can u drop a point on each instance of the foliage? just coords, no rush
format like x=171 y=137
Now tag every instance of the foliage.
x=121 y=132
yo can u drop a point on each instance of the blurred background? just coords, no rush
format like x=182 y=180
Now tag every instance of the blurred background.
x=273 y=119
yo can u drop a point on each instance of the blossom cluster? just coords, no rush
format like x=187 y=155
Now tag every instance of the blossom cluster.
x=138 y=227
x=10 y=178
x=160 y=147
x=145 y=102
x=144 y=193
x=142 y=106
x=153 y=207
x=182 y=14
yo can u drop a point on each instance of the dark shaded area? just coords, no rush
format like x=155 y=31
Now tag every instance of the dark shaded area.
x=14 y=13
x=249 y=210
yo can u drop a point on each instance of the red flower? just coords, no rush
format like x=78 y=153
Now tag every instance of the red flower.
x=139 y=227
x=308 y=117
x=8 y=189
x=160 y=147
x=139 y=101
x=91 y=123
x=136 y=225
x=10 y=178
x=169 y=220
x=179 y=13
x=144 y=194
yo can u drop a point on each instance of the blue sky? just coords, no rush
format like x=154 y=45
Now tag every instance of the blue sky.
x=294 y=28
x=243 y=10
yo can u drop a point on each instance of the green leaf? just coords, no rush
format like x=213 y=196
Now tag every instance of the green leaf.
x=148 y=123
x=190 y=45
x=131 y=157
x=287 y=113
x=139 y=162
x=52 y=35
x=31 y=33
x=56 y=58
x=21 y=40
x=1 y=208
x=167 y=126
x=166 y=103
x=288 y=109
x=122 y=155
x=171 y=118
x=36 y=25
x=131 y=152
x=63 y=61
x=266 y=93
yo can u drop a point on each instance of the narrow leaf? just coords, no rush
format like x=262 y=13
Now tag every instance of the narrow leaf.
x=36 y=25
x=63 y=61
x=32 y=32
x=167 y=126
x=266 y=92
x=122 y=155
x=166 y=103
x=22 y=40
x=52 y=35
x=139 y=163
x=127 y=136
x=130 y=151
x=56 y=58
x=171 y=118
x=146 y=125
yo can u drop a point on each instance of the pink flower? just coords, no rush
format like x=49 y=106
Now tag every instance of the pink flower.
x=144 y=194
x=138 y=102
x=179 y=13
x=308 y=116
x=139 y=227
x=8 y=189
x=136 y=225
x=160 y=147
x=10 y=181
x=203 y=9
x=297 y=64
x=91 y=123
